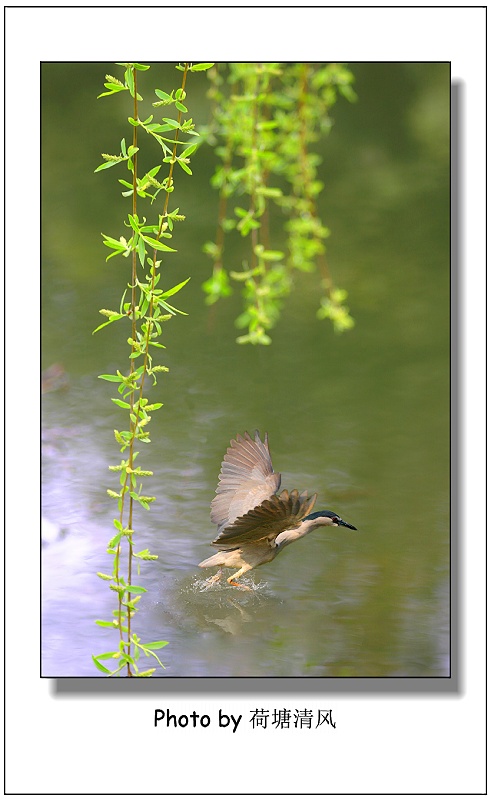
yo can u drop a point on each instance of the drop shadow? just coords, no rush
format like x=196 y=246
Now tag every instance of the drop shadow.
x=397 y=686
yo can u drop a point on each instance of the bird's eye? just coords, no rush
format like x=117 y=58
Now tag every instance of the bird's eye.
x=335 y=520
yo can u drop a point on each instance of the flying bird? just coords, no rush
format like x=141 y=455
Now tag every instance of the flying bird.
x=254 y=523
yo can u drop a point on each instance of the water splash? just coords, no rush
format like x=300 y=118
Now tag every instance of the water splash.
x=221 y=586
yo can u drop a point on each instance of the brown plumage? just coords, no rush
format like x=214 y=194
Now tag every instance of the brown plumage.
x=265 y=521
x=253 y=522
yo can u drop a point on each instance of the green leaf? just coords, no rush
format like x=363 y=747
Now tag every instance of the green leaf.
x=151 y=174
x=175 y=289
x=156 y=128
x=271 y=255
x=172 y=122
x=269 y=191
x=141 y=251
x=113 y=378
x=201 y=67
x=111 y=654
x=170 y=308
x=141 y=66
x=189 y=151
x=155 y=645
x=112 y=319
x=133 y=220
x=120 y=403
x=243 y=276
x=184 y=166
x=267 y=125
x=163 y=95
x=115 y=540
x=114 y=243
x=135 y=589
x=180 y=107
x=116 y=253
x=106 y=165
x=158 y=245
x=130 y=82
x=145 y=555
x=114 y=88
x=100 y=666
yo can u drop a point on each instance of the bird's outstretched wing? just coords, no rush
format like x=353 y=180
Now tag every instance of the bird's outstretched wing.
x=267 y=520
x=246 y=479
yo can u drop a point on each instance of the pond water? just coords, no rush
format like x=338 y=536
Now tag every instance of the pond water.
x=362 y=419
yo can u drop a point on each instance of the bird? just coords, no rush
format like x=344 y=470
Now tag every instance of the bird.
x=254 y=523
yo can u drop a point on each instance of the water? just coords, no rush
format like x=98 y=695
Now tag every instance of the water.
x=361 y=419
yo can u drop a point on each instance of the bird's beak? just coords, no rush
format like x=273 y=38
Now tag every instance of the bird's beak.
x=347 y=525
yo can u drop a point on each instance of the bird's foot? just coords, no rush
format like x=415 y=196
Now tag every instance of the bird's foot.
x=239 y=585
x=214 y=578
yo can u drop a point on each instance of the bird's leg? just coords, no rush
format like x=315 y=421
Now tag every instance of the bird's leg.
x=214 y=578
x=233 y=582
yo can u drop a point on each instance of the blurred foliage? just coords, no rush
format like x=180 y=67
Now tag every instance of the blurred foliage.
x=267 y=119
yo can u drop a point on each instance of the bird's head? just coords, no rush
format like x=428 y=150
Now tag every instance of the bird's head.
x=327 y=518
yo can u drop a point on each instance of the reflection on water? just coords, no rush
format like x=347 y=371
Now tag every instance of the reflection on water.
x=328 y=606
x=361 y=419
